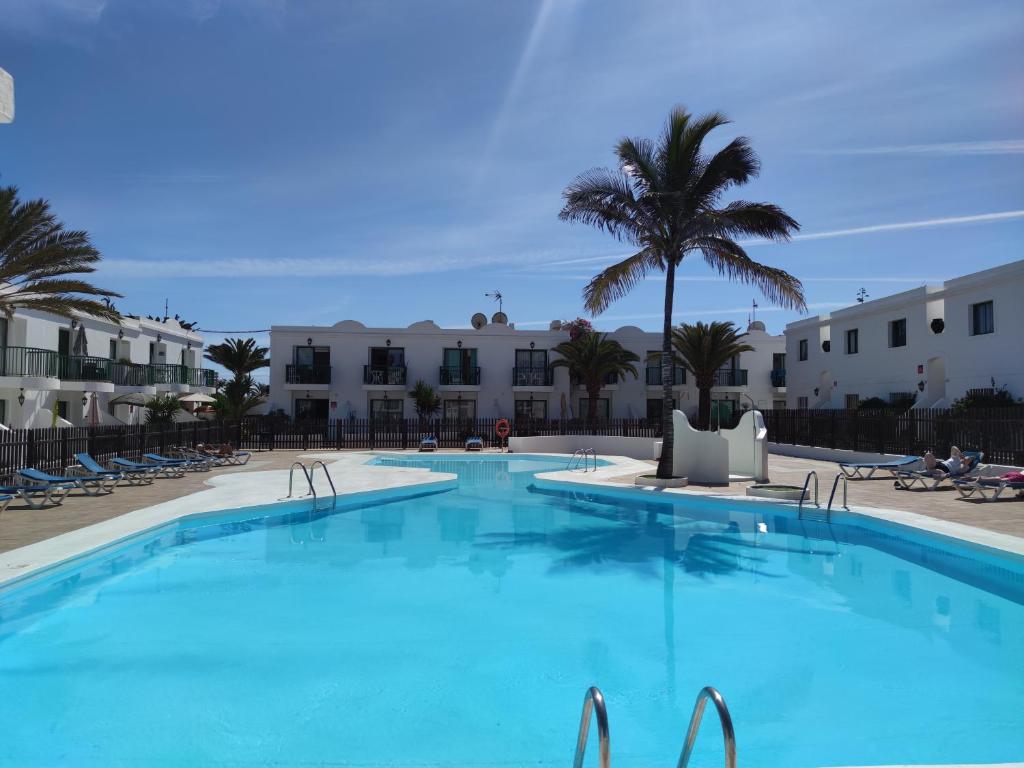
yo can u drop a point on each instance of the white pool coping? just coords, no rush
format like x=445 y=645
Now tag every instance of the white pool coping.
x=229 y=491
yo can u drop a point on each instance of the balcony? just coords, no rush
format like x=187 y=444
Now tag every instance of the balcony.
x=456 y=375
x=380 y=376
x=307 y=374
x=654 y=376
x=29 y=361
x=730 y=377
x=532 y=377
x=778 y=377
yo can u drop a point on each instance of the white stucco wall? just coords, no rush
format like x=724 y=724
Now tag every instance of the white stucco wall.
x=6 y=97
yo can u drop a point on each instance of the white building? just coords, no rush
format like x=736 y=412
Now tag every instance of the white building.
x=931 y=344
x=490 y=370
x=52 y=364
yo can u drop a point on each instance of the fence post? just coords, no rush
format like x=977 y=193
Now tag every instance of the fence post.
x=405 y=434
x=30 y=448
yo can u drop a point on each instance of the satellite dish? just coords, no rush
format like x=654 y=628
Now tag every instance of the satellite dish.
x=479 y=320
x=499 y=317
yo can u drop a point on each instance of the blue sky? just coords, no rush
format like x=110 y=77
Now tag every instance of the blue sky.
x=269 y=162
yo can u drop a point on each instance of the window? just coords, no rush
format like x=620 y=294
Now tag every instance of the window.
x=603 y=408
x=112 y=349
x=62 y=409
x=898 y=333
x=531 y=369
x=654 y=408
x=3 y=331
x=387 y=357
x=778 y=405
x=801 y=403
x=311 y=409
x=852 y=341
x=852 y=401
x=982 y=318
x=458 y=366
x=63 y=342
x=460 y=409
x=803 y=349
x=3 y=411
x=386 y=408
x=531 y=409
x=779 y=361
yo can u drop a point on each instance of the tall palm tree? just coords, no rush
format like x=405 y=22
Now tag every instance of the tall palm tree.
x=665 y=199
x=240 y=356
x=703 y=348
x=37 y=258
x=591 y=358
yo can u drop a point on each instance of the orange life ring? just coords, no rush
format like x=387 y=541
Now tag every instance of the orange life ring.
x=501 y=428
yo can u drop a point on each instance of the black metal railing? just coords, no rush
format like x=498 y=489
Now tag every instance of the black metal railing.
x=85 y=368
x=384 y=375
x=778 y=377
x=307 y=374
x=532 y=377
x=129 y=374
x=459 y=374
x=730 y=377
x=653 y=376
x=29 y=361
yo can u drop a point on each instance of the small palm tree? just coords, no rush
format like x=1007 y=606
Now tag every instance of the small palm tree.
x=703 y=349
x=239 y=395
x=425 y=401
x=160 y=409
x=240 y=356
x=37 y=257
x=591 y=358
x=665 y=199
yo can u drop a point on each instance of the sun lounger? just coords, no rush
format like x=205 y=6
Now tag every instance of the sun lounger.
x=131 y=476
x=92 y=485
x=474 y=443
x=932 y=480
x=428 y=443
x=36 y=496
x=192 y=465
x=5 y=499
x=235 y=458
x=158 y=470
x=855 y=471
x=987 y=488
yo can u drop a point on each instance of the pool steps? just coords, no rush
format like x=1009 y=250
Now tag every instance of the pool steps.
x=308 y=474
x=593 y=705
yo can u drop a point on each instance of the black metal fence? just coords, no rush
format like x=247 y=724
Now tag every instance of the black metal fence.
x=268 y=433
x=999 y=432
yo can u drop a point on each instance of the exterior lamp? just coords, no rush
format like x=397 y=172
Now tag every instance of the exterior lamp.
x=188 y=345
x=309 y=342
x=85 y=400
x=533 y=344
x=815 y=391
x=920 y=386
x=459 y=344
x=159 y=338
x=120 y=333
x=21 y=396
x=388 y=342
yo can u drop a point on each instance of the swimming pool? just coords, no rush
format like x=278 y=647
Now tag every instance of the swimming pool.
x=462 y=628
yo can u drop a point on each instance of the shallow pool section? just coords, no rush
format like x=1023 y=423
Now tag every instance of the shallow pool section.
x=461 y=628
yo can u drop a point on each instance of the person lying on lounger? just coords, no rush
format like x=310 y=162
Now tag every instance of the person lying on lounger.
x=956 y=464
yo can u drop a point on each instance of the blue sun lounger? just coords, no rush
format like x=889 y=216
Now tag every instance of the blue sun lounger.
x=36 y=496
x=193 y=465
x=428 y=443
x=987 y=488
x=855 y=471
x=475 y=443
x=934 y=480
x=131 y=476
x=92 y=485
x=158 y=470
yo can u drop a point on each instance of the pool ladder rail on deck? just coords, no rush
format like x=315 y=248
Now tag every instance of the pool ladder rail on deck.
x=593 y=704
x=308 y=474
x=831 y=496
x=579 y=459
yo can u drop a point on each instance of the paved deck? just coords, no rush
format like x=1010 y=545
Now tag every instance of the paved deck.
x=1004 y=516
x=20 y=526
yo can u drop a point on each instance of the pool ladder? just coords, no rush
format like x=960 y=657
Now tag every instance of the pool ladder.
x=308 y=474
x=831 y=496
x=593 y=704
x=579 y=459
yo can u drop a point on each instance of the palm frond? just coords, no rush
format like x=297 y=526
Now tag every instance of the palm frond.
x=729 y=259
x=734 y=164
x=618 y=280
x=61 y=305
x=745 y=219
x=639 y=162
x=604 y=199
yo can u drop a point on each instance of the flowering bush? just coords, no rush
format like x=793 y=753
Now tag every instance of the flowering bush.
x=577 y=328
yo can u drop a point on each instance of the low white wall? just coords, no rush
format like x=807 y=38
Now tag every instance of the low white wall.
x=607 y=445
x=703 y=457
x=748 y=447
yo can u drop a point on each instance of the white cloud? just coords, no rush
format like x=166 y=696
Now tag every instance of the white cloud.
x=997 y=147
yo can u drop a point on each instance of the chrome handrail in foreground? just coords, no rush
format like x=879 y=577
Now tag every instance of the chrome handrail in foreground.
x=835 y=484
x=309 y=480
x=807 y=480
x=580 y=457
x=593 y=702
x=691 y=733
x=312 y=469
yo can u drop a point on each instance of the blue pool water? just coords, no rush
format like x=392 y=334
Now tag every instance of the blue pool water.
x=461 y=628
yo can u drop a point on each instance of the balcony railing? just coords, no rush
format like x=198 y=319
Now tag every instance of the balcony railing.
x=394 y=375
x=307 y=374
x=29 y=361
x=779 y=377
x=654 y=375
x=201 y=377
x=129 y=374
x=84 y=368
x=457 y=374
x=730 y=377
x=532 y=377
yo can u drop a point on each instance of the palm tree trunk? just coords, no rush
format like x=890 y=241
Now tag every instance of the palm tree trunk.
x=704 y=408
x=665 y=462
x=592 y=395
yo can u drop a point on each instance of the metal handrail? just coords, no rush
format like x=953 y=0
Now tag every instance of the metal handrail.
x=835 y=485
x=593 y=702
x=312 y=469
x=580 y=457
x=691 y=733
x=309 y=480
x=807 y=480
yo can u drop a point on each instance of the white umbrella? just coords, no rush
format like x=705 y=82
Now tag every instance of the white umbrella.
x=94 y=411
x=197 y=398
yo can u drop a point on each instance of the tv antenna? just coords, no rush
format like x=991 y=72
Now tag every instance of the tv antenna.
x=753 y=311
x=496 y=296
